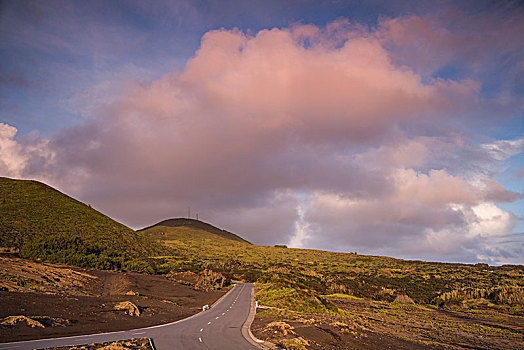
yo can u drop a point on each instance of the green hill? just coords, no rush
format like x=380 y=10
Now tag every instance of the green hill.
x=200 y=226
x=48 y=225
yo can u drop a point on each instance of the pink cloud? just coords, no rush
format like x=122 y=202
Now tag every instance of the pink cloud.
x=245 y=101
x=349 y=92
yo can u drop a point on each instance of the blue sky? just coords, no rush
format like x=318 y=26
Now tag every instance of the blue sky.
x=89 y=91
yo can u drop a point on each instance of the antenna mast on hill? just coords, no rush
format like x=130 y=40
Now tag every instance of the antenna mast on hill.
x=197 y=216
x=189 y=212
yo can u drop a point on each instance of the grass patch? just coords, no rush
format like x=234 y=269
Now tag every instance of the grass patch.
x=290 y=344
x=296 y=300
x=342 y=296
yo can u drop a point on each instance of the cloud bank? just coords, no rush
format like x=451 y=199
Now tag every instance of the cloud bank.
x=320 y=137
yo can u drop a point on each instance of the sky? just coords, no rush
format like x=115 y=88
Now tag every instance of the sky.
x=382 y=127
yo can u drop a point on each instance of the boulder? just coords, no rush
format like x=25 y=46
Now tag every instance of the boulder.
x=280 y=327
x=128 y=307
x=404 y=299
x=13 y=320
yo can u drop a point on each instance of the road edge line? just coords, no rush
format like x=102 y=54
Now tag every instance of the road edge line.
x=151 y=344
x=246 y=327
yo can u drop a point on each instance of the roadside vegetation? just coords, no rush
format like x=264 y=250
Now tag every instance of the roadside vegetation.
x=128 y=344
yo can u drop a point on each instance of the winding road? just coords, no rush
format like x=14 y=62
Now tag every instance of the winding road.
x=224 y=326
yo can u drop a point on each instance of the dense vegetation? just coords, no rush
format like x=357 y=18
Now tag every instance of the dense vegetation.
x=45 y=224
x=307 y=275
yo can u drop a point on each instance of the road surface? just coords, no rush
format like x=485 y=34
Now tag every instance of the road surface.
x=224 y=326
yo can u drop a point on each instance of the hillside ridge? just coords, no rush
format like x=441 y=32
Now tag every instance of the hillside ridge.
x=204 y=226
x=44 y=223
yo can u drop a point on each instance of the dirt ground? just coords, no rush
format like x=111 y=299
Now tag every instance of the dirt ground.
x=72 y=301
x=322 y=334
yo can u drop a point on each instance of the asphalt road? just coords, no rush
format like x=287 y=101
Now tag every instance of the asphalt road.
x=224 y=326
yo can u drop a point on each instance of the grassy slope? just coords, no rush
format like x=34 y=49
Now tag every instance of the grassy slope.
x=322 y=273
x=48 y=225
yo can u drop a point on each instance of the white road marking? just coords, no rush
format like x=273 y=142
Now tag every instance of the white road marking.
x=139 y=333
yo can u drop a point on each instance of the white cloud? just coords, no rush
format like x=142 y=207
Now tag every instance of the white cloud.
x=12 y=157
x=503 y=149
x=302 y=228
x=486 y=219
